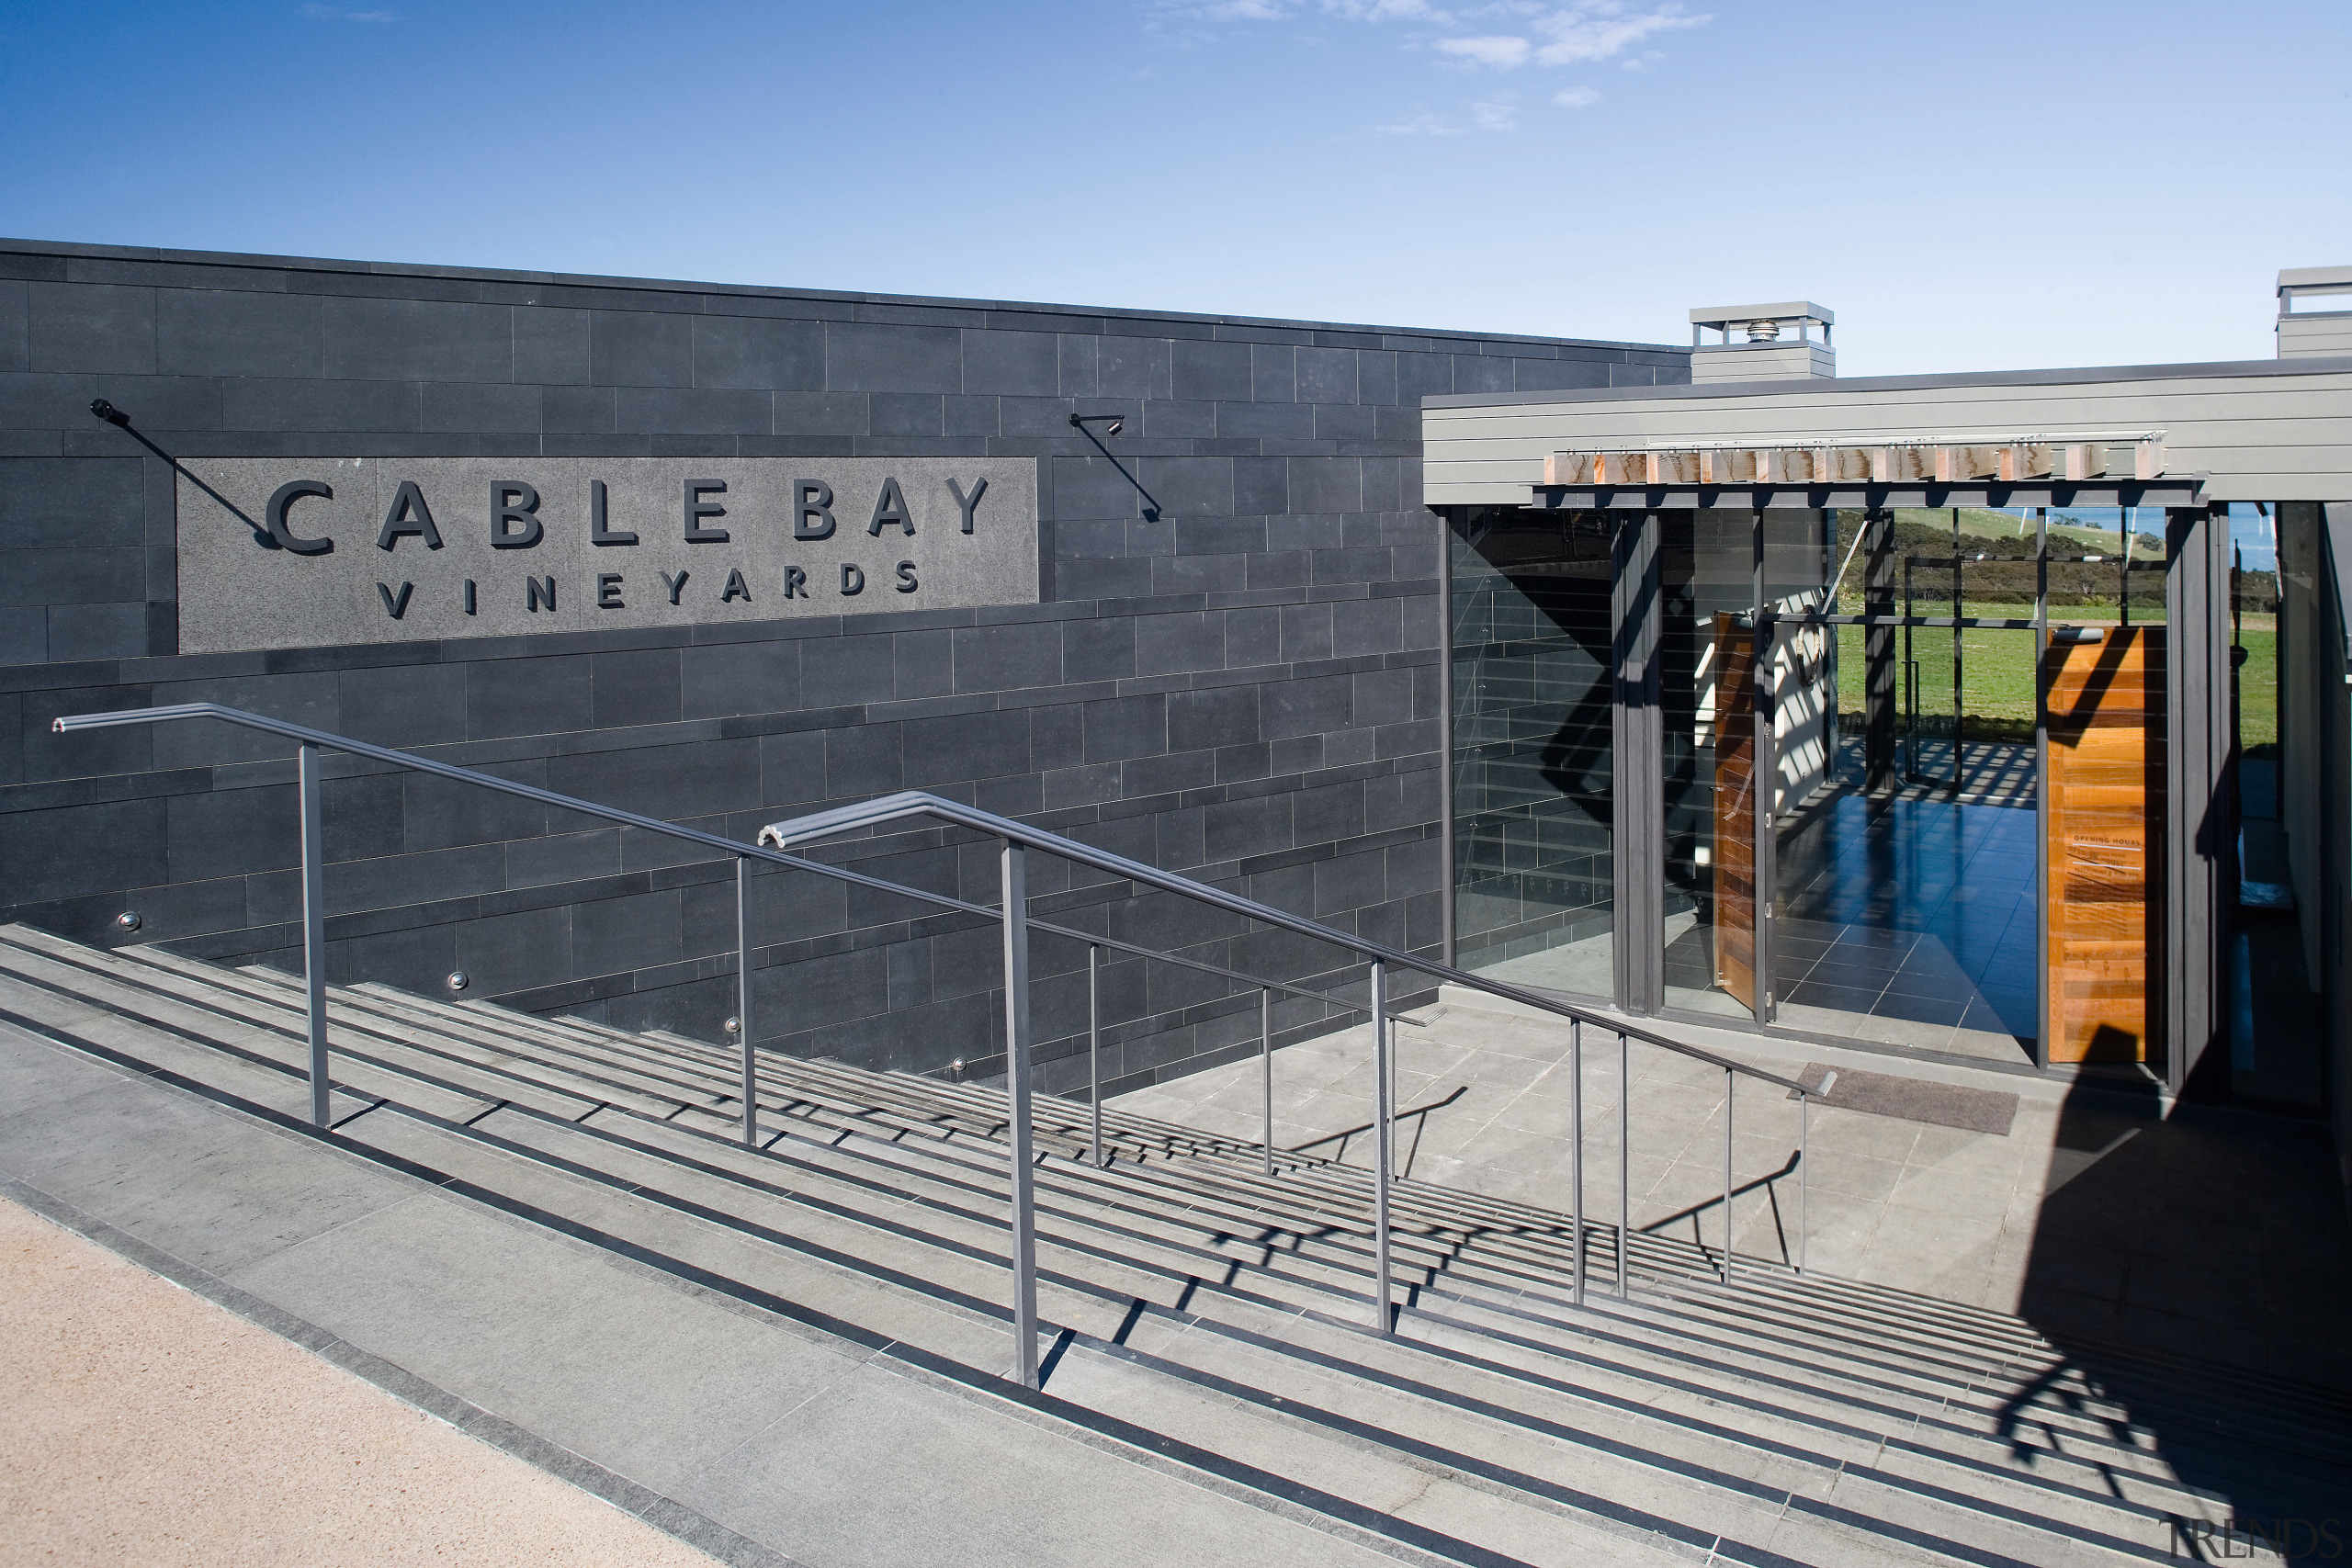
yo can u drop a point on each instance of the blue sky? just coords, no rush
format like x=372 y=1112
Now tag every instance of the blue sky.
x=1969 y=186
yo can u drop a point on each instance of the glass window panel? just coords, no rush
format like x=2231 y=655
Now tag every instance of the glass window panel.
x=1534 y=882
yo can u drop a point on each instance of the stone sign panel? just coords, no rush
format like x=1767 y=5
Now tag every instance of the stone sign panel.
x=301 y=552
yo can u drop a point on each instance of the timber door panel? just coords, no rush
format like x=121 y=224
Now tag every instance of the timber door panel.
x=2106 y=840
x=1735 y=849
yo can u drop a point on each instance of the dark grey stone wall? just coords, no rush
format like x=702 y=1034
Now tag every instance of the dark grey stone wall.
x=1233 y=674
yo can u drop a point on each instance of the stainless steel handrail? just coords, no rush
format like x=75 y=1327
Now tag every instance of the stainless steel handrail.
x=1014 y=839
x=319 y=738
x=914 y=802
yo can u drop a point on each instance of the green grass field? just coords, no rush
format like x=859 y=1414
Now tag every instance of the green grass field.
x=1998 y=678
x=1997 y=667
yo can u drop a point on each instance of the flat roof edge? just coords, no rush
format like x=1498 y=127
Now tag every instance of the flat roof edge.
x=2217 y=370
x=2309 y=277
x=762 y=291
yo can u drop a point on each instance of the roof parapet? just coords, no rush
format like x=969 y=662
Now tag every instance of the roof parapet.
x=2315 y=311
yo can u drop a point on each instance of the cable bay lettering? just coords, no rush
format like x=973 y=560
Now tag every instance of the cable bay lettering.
x=297 y=552
x=515 y=523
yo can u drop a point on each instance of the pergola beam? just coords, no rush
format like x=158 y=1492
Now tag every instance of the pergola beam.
x=2008 y=461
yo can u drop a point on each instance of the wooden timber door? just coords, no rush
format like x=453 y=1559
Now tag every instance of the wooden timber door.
x=1735 y=849
x=2105 y=822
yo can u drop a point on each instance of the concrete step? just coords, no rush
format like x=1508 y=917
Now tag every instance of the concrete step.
x=1140 y=1245
x=280 y=986
x=667 y=1382
x=1568 y=1469
x=620 y=1212
x=1344 y=1284
x=1972 y=1344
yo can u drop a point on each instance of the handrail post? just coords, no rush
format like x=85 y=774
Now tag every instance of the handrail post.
x=1576 y=1159
x=743 y=1000
x=1094 y=1041
x=1624 y=1168
x=1805 y=1179
x=1266 y=1068
x=1730 y=1083
x=314 y=934
x=1383 y=1112
x=1013 y=873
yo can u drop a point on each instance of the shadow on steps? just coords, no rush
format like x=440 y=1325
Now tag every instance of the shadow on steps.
x=2213 y=1238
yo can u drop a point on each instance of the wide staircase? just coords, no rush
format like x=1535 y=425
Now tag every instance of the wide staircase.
x=1202 y=1312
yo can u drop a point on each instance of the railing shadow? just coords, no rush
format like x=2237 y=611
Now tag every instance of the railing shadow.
x=1693 y=1213
x=1418 y=1113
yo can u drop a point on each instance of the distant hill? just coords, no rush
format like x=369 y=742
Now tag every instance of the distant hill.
x=2002 y=579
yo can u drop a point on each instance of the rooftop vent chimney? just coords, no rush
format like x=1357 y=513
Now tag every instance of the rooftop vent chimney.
x=2315 y=312
x=1766 y=355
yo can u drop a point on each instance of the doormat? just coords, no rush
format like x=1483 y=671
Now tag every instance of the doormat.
x=1915 y=1100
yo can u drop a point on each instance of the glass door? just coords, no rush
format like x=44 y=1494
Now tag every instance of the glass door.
x=1931 y=673
x=1749 y=736
x=1733 y=881
x=1533 y=759
x=1906 y=910
x=1707 y=573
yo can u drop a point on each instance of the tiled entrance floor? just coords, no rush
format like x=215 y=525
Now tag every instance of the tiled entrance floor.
x=1911 y=923
x=1907 y=921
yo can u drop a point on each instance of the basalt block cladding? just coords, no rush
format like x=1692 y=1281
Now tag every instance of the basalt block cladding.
x=1229 y=670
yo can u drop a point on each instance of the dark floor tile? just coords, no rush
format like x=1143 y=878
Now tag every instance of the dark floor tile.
x=1859 y=976
x=1840 y=998
x=1955 y=930
x=2011 y=1017
x=1950 y=982
x=1921 y=1009
x=1876 y=938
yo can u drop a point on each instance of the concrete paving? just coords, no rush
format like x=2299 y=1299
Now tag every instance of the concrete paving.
x=147 y=1425
x=1951 y=1213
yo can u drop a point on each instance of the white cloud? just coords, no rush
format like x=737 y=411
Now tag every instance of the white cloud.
x=1422 y=125
x=1601 y=30
x=1551 y=34
x=1502 y=53
x=1385 y=11
x=1283 y=10
x=1583 y=33
x=1239 y=11
x=1493 y=114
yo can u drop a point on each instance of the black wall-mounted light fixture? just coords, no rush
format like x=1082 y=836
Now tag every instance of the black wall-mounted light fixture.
x=1116 y=421
x=107 y=412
